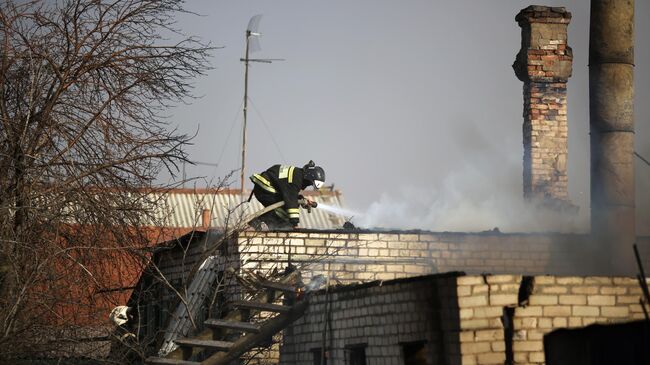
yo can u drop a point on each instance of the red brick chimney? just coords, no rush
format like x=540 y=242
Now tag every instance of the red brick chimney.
x=544 y=65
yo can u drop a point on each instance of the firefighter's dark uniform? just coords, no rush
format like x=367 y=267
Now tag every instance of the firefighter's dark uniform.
x=280 y=183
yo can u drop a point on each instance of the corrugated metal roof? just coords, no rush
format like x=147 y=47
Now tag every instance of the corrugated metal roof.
x=184 y=208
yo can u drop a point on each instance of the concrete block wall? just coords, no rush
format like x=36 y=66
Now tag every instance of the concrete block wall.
x=555 y=302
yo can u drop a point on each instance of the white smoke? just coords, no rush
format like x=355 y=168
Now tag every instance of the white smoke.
x=317 y=282
x=470 y=199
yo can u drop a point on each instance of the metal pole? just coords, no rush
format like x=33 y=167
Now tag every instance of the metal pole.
x=611 y=124
x=243 y=146
x=323 y=352
x=642 y=282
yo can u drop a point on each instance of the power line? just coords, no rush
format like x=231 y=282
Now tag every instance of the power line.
x=232 y=125
x=223 y=149
x=641 y=158
x=204 y=163
x=268 y=130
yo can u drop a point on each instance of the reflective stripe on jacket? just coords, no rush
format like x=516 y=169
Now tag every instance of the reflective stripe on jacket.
x=263 y=183
x=287 y=182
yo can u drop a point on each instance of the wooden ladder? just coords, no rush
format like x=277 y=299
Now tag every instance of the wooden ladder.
x=250 y=335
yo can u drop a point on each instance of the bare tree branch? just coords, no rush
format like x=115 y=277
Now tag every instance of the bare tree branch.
x=84 y=88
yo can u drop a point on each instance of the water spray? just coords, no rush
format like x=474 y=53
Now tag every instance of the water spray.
x=338 y=210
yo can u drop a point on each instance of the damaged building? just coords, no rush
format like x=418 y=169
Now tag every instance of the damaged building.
x=453 y=318
x=425 y=292
x=417 y=297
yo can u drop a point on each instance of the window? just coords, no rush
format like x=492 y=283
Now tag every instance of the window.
x=415 y=353
x=356 y=354
x=318 y=357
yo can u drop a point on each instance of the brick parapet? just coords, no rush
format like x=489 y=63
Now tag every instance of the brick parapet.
x=366 y=256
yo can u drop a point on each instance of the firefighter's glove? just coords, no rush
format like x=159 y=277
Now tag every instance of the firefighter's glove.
x=305 y=203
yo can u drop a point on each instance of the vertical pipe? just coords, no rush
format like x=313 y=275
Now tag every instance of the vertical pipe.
x=611 y=91
x=326 y=322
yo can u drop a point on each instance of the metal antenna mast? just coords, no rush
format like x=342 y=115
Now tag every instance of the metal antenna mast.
x=252 y=45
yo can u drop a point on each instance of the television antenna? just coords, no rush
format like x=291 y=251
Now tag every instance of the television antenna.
x=252 y=45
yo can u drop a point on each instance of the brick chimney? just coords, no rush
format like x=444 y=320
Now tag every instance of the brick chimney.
x=205 y=218
x=544 y=65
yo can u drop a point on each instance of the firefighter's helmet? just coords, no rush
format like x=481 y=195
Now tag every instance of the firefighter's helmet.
x=314 y=174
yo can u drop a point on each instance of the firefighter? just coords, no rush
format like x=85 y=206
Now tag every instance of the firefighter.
x=284 y=183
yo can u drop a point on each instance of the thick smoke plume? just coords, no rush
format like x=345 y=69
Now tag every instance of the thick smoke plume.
x=481 y=191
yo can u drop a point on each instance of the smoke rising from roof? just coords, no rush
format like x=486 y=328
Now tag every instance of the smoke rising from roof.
x=482 y=189
x=468 y=200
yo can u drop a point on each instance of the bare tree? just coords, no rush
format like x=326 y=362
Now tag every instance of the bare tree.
x=84 y=85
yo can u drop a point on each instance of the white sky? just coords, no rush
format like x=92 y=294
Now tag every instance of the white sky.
x=412 y=107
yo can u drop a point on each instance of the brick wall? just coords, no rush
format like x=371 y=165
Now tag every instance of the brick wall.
x=544 y=65
x=381 y=318
x=462 y=318
x=555 y=302
x=365 y=256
